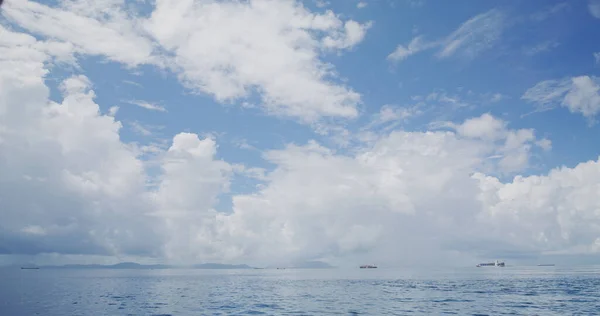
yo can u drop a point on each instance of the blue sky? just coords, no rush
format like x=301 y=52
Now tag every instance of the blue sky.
x=284 y=96
x=509 y=68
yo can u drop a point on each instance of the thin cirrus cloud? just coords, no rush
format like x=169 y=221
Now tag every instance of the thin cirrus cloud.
x=147 y=105
x=474 y=36
x=578 y=94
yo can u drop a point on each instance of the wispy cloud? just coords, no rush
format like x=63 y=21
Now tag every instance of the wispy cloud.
x=140 y=129
x=133 y=83
x=243 y=144
x=147 y=105
x=594 y=7
x=143 y=129
x=549 y=11
x=578 y=94
x=361 y=5
x=474 y=36
x=540 y=48
x=497 y=97
x=392 y=116
x=416 y=45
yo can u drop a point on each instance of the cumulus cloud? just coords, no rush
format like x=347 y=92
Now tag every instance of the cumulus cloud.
x=474 y=36
x=279 y=57
x=315 y=204
x=512 y=148
x=188 y=188
x=578 y=94
x=91 y=27
x=82 y=197
x=88 y=193
x=554 y=212
x=407 y=186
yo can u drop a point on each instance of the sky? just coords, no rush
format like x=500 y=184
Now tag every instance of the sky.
x=269 y=132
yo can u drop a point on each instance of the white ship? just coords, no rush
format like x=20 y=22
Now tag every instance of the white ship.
x=368 y=266
x=491 y=264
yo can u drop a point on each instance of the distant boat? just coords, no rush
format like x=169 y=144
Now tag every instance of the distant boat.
x=546 y=265
x=491 y=264
x=368 y=266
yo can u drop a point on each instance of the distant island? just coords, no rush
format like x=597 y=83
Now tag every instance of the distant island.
x=137 y=266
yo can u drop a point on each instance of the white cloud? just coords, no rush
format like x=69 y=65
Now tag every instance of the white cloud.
x=352 y=34
x=278 y=56
x=545 y=144
x=597 y=57
x=512 y=147
x=361 y=5
x=578 y=94
x=188 y=188
x=485 y=127
x=583 y=96
x=474 y=36
x=92 y=27
x=553 y=213
x=319 y=204
x=416 y=45
x=322 y=4
x=86 y=198
x=88 y=195
x=112 y=111
x=497 y=97
x=148 y=105
x=594 y=7
x=316 y=204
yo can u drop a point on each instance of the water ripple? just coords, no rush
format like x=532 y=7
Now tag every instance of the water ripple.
x=508 y=291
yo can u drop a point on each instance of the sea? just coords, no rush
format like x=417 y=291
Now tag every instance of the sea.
x=383 y=291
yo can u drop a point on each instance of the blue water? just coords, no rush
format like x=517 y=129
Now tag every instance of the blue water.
x=466 y=291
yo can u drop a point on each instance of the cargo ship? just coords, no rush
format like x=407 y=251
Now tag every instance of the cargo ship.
x=368 y=266
x=491 y=264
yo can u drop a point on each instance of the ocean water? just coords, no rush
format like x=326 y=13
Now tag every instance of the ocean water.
x=464 y=291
